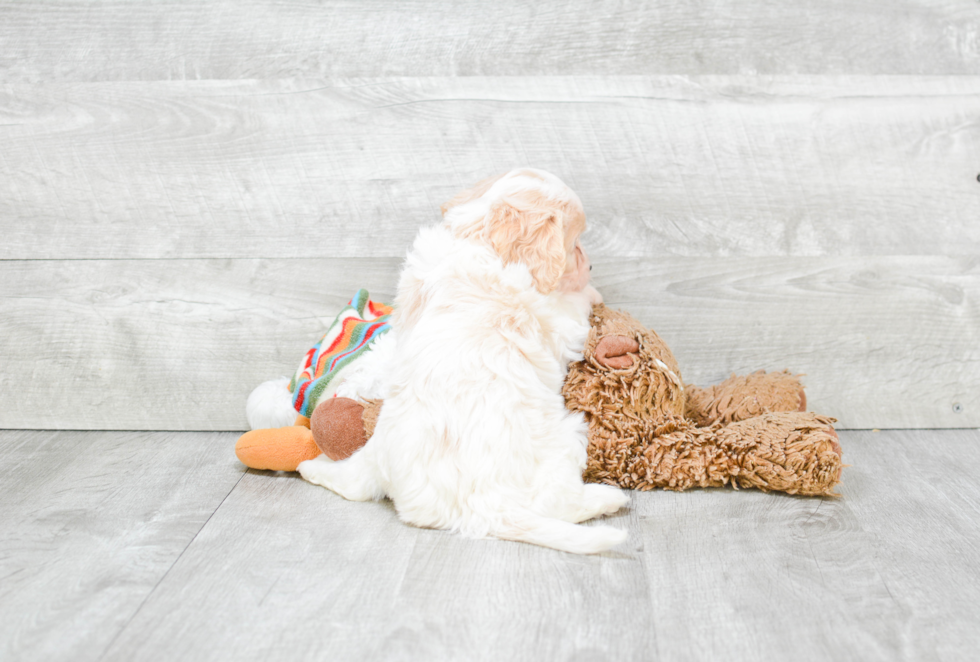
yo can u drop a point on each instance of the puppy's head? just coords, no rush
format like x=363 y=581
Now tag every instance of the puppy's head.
x=527 y=216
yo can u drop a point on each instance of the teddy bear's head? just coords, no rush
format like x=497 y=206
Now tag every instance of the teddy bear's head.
x=628 y=378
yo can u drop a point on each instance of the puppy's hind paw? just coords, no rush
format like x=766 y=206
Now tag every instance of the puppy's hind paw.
x=350 y=478
x=606 y=499
x=316 y=470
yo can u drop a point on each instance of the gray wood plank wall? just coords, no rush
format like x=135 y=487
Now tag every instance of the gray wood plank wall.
x=91 y=40
x=189 y=192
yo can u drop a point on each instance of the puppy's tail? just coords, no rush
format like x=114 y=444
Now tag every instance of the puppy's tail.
x=558 y=534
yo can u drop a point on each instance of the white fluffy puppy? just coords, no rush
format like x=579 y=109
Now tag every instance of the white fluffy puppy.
x=474 y=435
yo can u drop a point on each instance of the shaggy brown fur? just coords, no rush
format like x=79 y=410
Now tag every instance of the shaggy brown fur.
x=741 y=397
x=648 y=430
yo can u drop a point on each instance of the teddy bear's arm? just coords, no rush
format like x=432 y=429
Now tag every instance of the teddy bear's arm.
x=742 y=397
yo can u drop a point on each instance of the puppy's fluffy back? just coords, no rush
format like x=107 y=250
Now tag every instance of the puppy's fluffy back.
x=480 y=350
x=474 y=435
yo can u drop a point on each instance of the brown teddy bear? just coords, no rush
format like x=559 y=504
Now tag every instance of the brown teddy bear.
x=647 y=429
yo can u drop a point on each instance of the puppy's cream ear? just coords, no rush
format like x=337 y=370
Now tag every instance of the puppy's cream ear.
x=528 y=227
x=470 y=194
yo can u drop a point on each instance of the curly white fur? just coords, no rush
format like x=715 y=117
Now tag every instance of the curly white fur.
x=474 y=435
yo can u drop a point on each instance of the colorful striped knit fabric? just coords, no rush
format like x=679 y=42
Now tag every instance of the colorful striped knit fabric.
x=357 y=326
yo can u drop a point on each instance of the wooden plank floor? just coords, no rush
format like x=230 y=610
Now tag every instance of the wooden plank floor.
x=134 y=545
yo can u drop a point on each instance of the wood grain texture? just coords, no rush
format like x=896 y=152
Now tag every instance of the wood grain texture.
x=161 y=344
x=749 y=576
x=884 y=573
x=317 y=577
x=704 y=166
x=179 y=344
x=904 y=486
x=882 y=342
x=92 y=521
x=117 y=40
x=285 y=570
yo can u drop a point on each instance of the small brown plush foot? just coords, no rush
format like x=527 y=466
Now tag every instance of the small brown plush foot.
x=338 y=427
x=614 y=352
x=793 y=452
